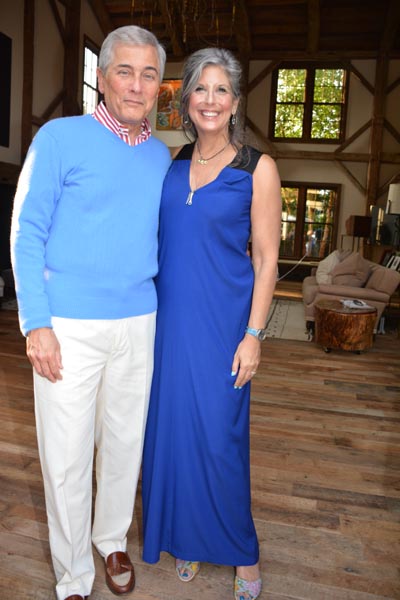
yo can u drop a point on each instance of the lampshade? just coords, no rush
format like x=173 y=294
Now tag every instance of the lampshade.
x=393 y=200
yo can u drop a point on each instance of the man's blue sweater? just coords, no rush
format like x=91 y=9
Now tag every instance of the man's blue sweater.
x=85 y=222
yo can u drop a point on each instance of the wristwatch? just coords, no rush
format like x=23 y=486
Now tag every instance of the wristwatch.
x=260 y=334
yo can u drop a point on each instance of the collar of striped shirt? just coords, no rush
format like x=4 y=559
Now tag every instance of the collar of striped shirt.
x=103 y=116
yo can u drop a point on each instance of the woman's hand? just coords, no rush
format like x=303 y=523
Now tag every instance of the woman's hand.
x=246 y=360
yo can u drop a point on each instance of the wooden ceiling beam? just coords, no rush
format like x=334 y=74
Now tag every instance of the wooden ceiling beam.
x=382 y=68
x=314 y=25
x=242 y=29
x=353 y=137
x=264 y=73
x=71 y=58
x=172 y=30
x=57 y=18
x=326 y=55
x=392 y=130
x=391 y=26
x=27 y=85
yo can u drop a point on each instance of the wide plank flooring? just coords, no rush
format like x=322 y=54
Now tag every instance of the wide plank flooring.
x=325 y=481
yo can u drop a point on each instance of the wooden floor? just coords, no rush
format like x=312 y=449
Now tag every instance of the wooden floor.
x=325 y=478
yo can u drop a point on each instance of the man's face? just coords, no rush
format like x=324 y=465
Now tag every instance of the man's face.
x=130 y=84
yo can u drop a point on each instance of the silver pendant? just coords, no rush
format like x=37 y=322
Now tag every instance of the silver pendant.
x=189 y=198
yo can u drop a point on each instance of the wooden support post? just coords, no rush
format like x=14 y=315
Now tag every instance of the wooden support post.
x=71 y=58
x=377 y=131
x=27 y=87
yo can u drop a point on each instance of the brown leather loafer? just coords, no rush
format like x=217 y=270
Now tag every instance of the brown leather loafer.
x=120 y=574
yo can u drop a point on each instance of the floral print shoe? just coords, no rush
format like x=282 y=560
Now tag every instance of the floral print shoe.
x=187 y=569
x=247 y=590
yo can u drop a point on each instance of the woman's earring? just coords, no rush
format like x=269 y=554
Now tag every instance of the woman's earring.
x=233 y=120
x=186 y=120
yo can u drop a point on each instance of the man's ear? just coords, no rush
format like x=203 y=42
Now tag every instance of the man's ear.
x=100 y=79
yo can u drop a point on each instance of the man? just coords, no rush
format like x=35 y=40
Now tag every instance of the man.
x=84 y=251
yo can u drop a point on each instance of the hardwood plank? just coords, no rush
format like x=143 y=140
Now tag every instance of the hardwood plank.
x=325 y=459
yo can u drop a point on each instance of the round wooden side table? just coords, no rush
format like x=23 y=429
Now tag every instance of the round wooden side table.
x=339 y=327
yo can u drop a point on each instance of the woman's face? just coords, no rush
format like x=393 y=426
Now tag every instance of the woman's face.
x=212 y=103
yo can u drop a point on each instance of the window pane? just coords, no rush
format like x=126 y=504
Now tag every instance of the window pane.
x=291 y=85
x=320 y=206
x=89 y=99
x=86 y=68
x=89 y=90
x=91 y=72
x=289 y=120
x=317 y=240
x=288 y=232
x=329 y=85
x=290 y=197
x=326 y=121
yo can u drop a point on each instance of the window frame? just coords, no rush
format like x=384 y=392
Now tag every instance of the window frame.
x=309 y=102
x=88 y=43
x=300 y=223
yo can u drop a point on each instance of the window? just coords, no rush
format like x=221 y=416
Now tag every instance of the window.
x=89 y=90
x=308 y=104
x=309 y=220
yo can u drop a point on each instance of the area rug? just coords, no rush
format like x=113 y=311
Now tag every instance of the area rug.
x=286 y=321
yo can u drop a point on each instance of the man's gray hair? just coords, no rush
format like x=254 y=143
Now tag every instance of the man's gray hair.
x=131 y=35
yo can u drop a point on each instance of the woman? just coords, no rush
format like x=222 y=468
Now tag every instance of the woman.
x=213 y=305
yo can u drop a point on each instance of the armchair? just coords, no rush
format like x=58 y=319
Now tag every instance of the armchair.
x=348 y=276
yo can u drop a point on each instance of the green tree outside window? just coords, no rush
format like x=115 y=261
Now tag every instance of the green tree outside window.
x=309 y=104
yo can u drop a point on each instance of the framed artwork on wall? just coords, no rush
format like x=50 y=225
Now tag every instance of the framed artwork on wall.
x=168 y=117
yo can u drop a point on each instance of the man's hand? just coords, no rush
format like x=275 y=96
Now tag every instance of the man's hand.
x=43 y=351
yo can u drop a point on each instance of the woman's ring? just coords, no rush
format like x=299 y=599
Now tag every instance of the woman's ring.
x=253 y=372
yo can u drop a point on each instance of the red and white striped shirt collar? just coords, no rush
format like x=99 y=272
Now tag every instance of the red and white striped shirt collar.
x=103 y=116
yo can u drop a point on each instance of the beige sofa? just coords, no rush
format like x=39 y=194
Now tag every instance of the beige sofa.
x=344 y=275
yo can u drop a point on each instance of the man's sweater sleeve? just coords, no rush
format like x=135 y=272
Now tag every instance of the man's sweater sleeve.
x=38 y=191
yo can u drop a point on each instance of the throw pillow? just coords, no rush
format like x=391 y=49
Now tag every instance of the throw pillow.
x=352 y=271
x=323 y=273
x=344 y=254
x=383 y=280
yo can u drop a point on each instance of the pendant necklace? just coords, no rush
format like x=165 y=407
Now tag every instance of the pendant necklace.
x=204 y=161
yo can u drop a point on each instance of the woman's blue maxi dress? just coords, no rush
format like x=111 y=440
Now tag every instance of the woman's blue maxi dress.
x=196 y=479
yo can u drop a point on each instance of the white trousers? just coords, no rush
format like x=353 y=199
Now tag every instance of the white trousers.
x=102 y=400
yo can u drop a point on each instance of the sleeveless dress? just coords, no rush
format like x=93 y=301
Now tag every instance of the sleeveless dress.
x=196 y=468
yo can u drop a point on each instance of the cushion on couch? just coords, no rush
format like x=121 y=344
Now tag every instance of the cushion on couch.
x=383 y=280
x=352 y=271
x=325 y=267
x=323 y=274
